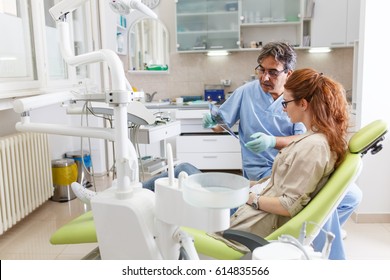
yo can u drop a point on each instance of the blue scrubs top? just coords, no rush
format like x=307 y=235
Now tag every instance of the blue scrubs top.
x=257 y=111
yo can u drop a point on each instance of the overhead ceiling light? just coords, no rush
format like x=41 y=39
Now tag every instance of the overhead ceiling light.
x=7 y=58
x=320 y=50
x=217 y=53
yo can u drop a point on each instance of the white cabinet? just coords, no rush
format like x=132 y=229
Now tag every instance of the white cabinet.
x=203 y=25
x=214 y=24
x=335 y=23
x=203 y=148
x=209 y=151
x=353 y=21
x=199 y=146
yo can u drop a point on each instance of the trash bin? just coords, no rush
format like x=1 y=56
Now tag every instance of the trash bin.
x=64 y=174
x=84 y=170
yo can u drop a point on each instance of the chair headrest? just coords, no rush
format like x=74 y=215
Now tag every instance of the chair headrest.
x=368 y=138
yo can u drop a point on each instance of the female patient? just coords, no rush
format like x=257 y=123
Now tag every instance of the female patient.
x=301 y=169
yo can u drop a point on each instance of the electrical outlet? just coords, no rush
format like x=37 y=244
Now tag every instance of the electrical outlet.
x=225 y=83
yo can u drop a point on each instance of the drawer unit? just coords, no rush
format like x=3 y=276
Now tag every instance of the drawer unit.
x=213 y=161
x=192 y=121
x=154 y=133
x=209 y=151
x=207 y=144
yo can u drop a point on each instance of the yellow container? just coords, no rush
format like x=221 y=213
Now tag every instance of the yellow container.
x=64 y=174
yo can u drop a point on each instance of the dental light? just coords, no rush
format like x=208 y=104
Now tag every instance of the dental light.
x=124 y=7
x=119 y=6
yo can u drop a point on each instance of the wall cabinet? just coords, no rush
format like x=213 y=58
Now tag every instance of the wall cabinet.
x=335 y=27
x=203 y=25
x=246 y=24
x=263 y=21
x=353 y=21
x=207 y=25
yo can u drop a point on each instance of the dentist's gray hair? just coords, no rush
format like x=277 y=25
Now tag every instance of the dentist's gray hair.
x=281 y=51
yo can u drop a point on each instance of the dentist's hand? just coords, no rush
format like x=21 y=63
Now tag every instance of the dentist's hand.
x=208 y=121
x=261 y=142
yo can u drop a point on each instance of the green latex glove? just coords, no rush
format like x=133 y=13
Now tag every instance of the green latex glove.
x=261 y=142
x=208 y=121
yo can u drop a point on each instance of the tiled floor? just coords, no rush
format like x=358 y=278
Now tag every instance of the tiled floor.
x=29 y=239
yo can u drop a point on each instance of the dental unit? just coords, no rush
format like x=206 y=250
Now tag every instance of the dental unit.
x=132 y=222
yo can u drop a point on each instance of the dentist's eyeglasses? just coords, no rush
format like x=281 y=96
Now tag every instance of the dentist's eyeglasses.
x=284 y=103
x=273 y=73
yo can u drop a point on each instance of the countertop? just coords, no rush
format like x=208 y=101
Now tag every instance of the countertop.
x=183 y=106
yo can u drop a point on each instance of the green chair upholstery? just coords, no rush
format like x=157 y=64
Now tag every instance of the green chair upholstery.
x=82 y=229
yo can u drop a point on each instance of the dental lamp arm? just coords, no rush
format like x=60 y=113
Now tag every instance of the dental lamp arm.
x=118 y=95
x=119 y=6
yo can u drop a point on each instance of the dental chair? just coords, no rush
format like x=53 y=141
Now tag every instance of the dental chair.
x=315 y=214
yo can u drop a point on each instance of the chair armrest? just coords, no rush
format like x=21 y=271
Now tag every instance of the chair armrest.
x=247 y=239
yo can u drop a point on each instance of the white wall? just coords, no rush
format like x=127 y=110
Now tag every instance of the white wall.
x=373 y=93
x=59 y=144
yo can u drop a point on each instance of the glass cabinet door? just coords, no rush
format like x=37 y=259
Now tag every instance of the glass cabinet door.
x=263 y=21
x=207 y=25
x=270 y=11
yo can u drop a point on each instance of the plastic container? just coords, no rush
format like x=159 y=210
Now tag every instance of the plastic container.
x=156 y=67
x=64 y=174
x=216 y=190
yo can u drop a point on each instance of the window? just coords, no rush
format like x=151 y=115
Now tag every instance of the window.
x=57 y=68
x=16 y=51
x=30 y=58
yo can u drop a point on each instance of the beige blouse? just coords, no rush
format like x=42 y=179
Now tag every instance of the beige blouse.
x=299 y=171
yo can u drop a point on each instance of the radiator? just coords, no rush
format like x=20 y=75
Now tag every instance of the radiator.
x=25 y=176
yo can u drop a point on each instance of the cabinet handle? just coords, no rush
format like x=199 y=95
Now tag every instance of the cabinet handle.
x=337 y=43
x=216 y=47
x=210 y=156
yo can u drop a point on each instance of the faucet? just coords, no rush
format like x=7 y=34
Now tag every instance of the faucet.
x=149 y=97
